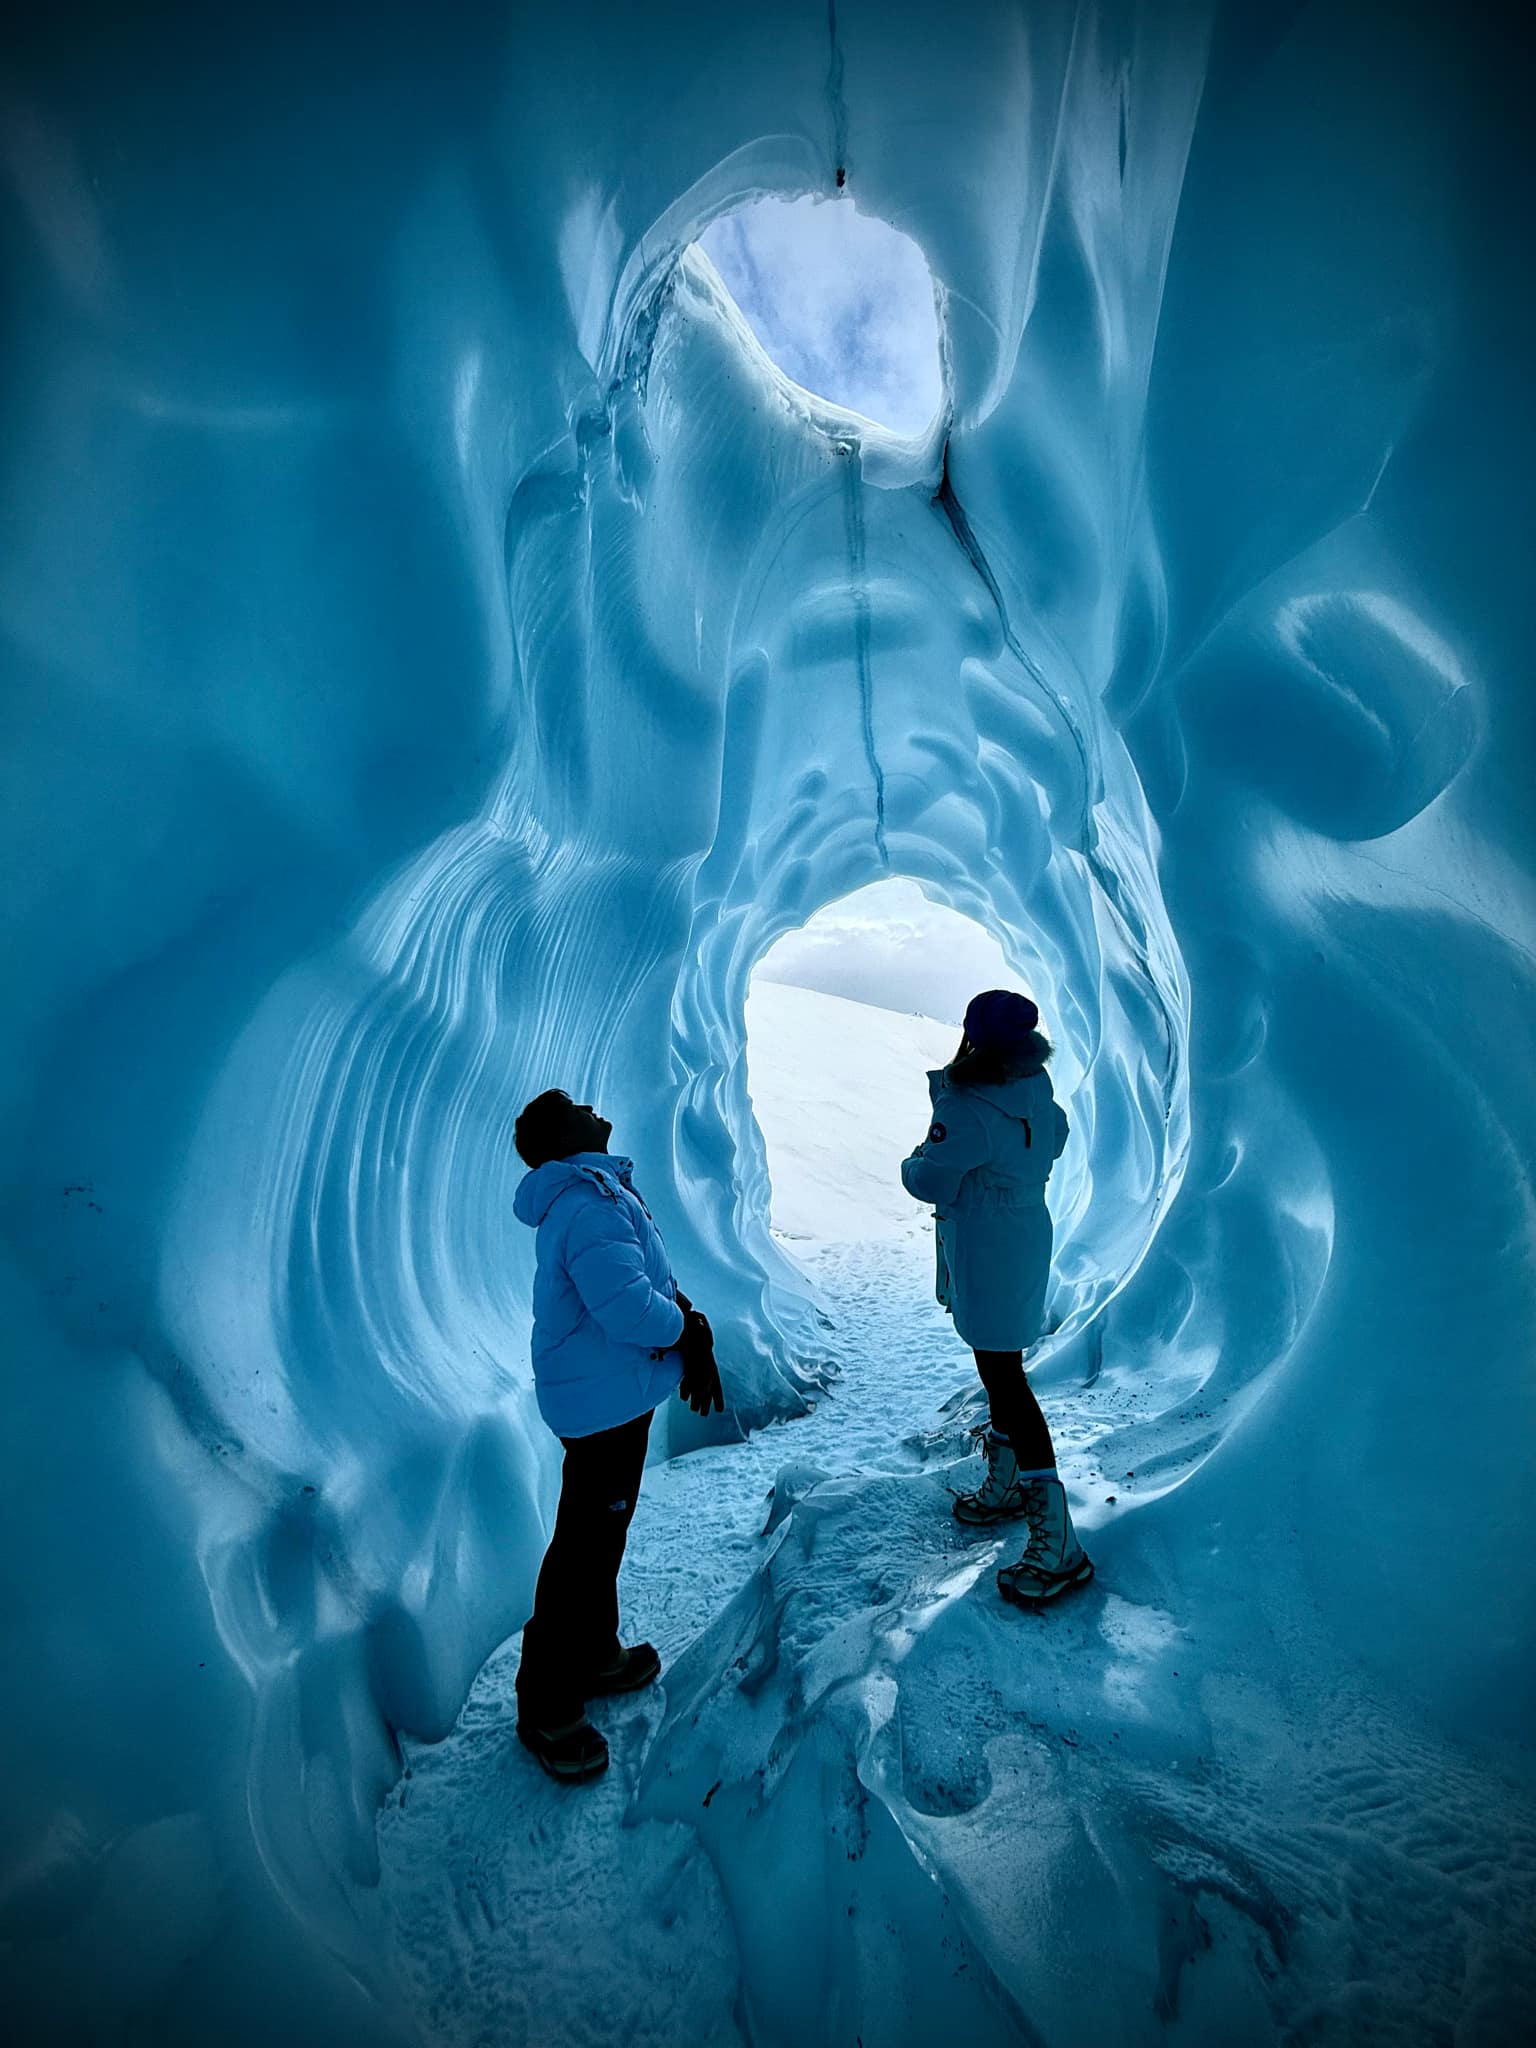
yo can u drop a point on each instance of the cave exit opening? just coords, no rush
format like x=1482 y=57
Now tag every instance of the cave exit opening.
x=845 y=1016
x=843 y=303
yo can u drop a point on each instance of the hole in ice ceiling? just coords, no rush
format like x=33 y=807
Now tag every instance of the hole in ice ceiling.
x=843 y=303
x=844 y=1018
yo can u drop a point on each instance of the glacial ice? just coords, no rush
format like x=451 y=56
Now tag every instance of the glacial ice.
x=443 y=655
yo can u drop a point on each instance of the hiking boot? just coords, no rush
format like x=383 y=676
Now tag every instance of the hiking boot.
x=630 y=1670
x=1000 y=1497
x=1053 y=1561
x=571 y=1753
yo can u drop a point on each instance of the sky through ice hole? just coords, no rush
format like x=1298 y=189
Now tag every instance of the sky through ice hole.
x=844 y=1018
x=842 y=302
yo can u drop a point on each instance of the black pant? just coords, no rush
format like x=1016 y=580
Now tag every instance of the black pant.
x=1015 y=1411
x=574 y=1629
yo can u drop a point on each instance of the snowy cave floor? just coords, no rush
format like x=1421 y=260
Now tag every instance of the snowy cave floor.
x=869 y=1802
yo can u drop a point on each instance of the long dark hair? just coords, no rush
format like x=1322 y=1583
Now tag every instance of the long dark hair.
x=972 y=1069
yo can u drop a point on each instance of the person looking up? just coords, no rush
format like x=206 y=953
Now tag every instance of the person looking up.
x=613 y=1335
x=997 y=1130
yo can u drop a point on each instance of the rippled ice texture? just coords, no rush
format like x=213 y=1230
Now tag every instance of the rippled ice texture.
x=442 y=655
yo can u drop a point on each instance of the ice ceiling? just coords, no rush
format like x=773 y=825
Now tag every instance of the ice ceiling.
x=443 y=655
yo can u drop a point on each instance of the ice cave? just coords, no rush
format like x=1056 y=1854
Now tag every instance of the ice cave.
x=445 y=654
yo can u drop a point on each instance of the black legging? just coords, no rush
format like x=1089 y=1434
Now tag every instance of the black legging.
x=1015 y=1411
x=574 y=1628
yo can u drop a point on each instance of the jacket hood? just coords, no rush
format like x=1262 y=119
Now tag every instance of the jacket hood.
x=1014 y=1097
x=539 y=1190
x=993 y=1069
x=1017 y=1097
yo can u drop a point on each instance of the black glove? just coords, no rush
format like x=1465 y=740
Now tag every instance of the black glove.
x=700 y=1386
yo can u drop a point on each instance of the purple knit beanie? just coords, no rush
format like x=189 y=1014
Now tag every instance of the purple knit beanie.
x=999 y=1020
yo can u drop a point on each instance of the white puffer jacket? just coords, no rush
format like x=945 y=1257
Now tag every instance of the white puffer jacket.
x=984 y=1165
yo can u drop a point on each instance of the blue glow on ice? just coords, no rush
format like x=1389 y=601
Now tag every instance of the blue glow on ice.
x=443 y=655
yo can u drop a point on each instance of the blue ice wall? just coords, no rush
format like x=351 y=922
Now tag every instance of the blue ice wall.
x=441 y=655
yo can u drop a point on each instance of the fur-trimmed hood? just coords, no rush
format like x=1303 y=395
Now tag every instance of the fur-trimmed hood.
x=994 y=1070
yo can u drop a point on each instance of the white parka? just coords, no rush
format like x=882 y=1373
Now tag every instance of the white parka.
x=984 y=1165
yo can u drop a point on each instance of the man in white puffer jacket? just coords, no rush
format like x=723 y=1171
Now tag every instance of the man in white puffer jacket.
x=612 y=1337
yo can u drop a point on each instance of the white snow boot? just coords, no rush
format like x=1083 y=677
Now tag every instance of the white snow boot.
x=1053 y=1561
x=1001 y=1495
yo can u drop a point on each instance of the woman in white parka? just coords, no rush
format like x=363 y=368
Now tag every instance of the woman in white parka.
x=997 y=1131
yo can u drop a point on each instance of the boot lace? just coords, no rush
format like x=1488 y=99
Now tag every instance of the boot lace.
x=1034 y=1513
x=992 y=1488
